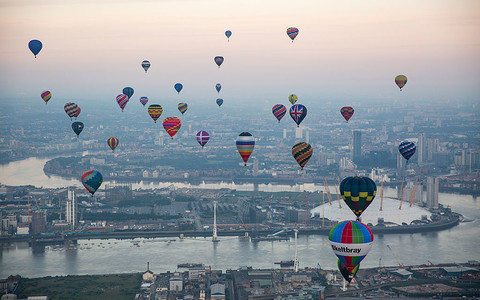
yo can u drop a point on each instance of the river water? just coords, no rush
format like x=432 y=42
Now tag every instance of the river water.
x=458 y=244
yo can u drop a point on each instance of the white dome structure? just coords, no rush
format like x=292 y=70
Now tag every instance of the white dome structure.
x=390 y=213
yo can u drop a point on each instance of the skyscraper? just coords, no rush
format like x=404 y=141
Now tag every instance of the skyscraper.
x=422 y=148
x=432 y=192
x=357 y=146
x=71 y=209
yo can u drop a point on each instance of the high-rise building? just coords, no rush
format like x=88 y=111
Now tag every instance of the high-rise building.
x=432 y=192
x=307 y=136
x=432 y=147
x=38 y=222
x=422 y=148
x=357 y=146
x=71 y=209
x=298 y=132
x=255 y=167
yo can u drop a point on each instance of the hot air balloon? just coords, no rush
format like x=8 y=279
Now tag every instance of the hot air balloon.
x=218 y=87
x=178 y=87
x=77 y=128
x=112 y=143
x=351 y=241
x=155 y=111
x=401 y=80
x=219 y=101
x=202 y=137
x=35 y=46
x=228 y=33
x=145 y=65
x=407 y=149
x=182 y=107
x=358 y=193
x=245 y=145
x=70 y=108
x=298 y=112
x=143 y=100
x=292 y=32
x=347 y=112
x=279 y=111
x=122 y=100
x=218 y=60
x=46 y=95
x=128 y=91
x=302 y=153
x=92 y=180
x=292 y=98
x=346 y=273
x=77 y=112
x=172 y=125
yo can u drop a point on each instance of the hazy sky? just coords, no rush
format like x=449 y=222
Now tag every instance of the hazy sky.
x=346 y=50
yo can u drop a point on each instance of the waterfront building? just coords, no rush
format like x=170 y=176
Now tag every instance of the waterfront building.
x=357 y=146
x=432 y=192
x=71 y=209
x=217 y=291
x=176 y=283
x=38 y=222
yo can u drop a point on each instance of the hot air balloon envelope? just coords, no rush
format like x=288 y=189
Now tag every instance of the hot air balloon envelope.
x=219 y=101
x=298 y=112
x=182 y=107
x=279 y=111
x=245 y=145
x=155 y=111
x=292 y=32
x=70 y=108
x=202 y=137
x=112 y=143
x=77 y=112
x=77 y=127
x=218 y=60
x=218 y=87
x=228 y=34
x=358 y=193
x=122 y=100
x=401 y=80
x=46 y=95
x=178 y=87
x=35 y=46
x=346 y=273
x=292 y=98
x=172 y=125
x=143 y=100
x=302 y=153
x=347 y=112
x=407 y=149
x=128 y=91
x=145 y=65
x=92 y=180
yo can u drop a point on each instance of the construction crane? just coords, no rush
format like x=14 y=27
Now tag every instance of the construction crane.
x=398 y=262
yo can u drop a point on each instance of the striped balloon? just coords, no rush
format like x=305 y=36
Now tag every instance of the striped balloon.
x=302 y=153
x=347 y=112
x=279 y=111
x=182 y=107
x=92 y=180
x=292 y=98
x=245 y=145
x=401 y=80
x=77 y=112
x=143 y=100
x=172 y=125
x=407 y=149
x=46 y=95
x=70 y=108
x=145 y=65
x=218 y=60
x=202 y=137
x=351 y=241
x=155 y=111
x=346 y=273
x=128 y=91
x=292 y=32
x=358 y=192
x=122 y=100
x=112 y=143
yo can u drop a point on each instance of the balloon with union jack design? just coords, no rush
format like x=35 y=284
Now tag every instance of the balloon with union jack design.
x=122 y=100
x=245 y=144
x=202 y=137
x=279 y=111
x=172 y=125
x=46 y=95
x=302 y=153
x=347 y=112
x=144 y=100
x=182 y=107
x=298 y=112
x=92 y=180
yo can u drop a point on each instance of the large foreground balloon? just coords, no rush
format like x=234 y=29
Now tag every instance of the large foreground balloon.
x=202 y=137
x=77 y=127
x=112 y=143
x=128 y=91
x=302 y=153
x=347 y=112
x=407 y=149
x=279 y=111
x=178 y=87
x=218 y=60
x=182 y=107
x=143 y=100
x=145 y=65
x=346 y=273
x=219 y=102
x=122 y=100
x=92 y=180
x=245 y=145
x=228 y=34
x=155 y=111
x=351 y=241
x=292 y=98
x=172 y=125
x=70 y=108
x=401 y=80
x=218 y=87
x=35 y=46
x=292 y=32
x=46 y=95
x=298 y=112
x=358 y=192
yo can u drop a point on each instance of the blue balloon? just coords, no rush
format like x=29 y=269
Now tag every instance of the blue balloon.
x=219 y=101
x=178 y=87
x=35 y=46
x=407 y=149
x=228 y=33
x=128 y=91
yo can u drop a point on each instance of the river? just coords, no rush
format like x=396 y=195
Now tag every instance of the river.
x=458 y=244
